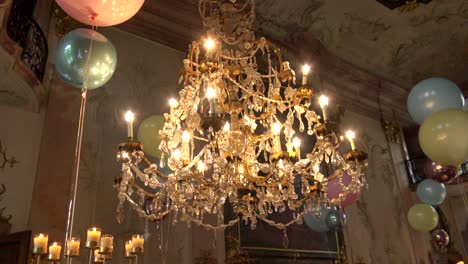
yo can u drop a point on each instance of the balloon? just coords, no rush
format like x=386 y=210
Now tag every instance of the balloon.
x=148 y=134
x=443 y=137
x=432 y=95
x=101 y=13
x=440 y=238
x=316 y=221
x=334 y=189
x=423 y=217
x=440 y=173
x=431 y=192
x=335 y=220
x=71 y=58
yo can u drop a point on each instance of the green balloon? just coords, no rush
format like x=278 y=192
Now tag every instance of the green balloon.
x=423 y=217
x=71 y=58
x=443 y=137
x=148 y=134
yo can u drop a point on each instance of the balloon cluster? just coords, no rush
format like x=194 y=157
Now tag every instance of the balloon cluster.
x=325 y=219
x=85 y=58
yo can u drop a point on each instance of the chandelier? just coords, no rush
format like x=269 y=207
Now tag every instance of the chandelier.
x=241 y=133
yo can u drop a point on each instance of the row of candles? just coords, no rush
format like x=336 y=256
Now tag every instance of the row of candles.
x=101 y=246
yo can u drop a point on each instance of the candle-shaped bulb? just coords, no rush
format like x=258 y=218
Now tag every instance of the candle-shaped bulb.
x=210 y=92
x=276 y=129
x=210 y=44
x=227 y=127
x=305 y=72
x=129 y=117
x=173 y=103
x=185 y=136
x=350 y=135
x=201 y=166
x=176 y=154
x=297 y=142
x=323 y=102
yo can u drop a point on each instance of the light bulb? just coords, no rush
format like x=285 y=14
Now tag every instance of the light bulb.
x=176 y=154
x=129 y=116
x=201 y=166
x=323 y=101
x=276 y=129
x=173 y=103
x=210 y=92
x=350 y=134
x=227 y=127
x=296 y=142
x=305 y=69
x=209 y=44
x=185 y=136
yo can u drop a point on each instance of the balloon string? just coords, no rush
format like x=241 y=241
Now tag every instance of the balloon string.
x=79 y=140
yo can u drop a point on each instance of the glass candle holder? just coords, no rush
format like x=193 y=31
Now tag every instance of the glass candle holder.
x=93 y=236
x=97 y=257
x=129 y=249
x=55 y=249
x=106 y=244
x=73 y=247
x=40 y=244
x=138 y=242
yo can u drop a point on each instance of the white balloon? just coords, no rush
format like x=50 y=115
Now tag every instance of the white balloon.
x=432 y=95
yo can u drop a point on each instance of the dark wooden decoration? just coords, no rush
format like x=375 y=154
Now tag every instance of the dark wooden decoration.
x=14 y=248
x=392 y=4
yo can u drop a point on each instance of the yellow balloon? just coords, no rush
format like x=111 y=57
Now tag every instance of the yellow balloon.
x=443 y=137
x=148 y=134
x=423 y=217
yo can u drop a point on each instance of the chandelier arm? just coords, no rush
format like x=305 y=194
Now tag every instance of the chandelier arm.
x=149 y=164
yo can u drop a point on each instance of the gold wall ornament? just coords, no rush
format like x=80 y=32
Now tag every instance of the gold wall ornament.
x=391 y=130
x=242 y=131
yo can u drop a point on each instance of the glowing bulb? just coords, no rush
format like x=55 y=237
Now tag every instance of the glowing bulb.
x=210 y=93
x=276 y=129
x=209 y=44
x=350 y=134
x=124 y=155
x=296 y=142
x=201 y=166
x=129 y=116
x=173 y=103
x=185 y=136
x=227 y=127
x=176 y=154
x=305 y=69
x=323 y=101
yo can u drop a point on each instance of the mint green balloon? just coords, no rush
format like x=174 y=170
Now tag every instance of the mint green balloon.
x=148 y=134
x=71 y=58
x=423 y=217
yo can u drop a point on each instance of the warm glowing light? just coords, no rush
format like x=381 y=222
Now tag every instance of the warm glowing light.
x=227 y=127
x=276 y=129
x=305 y=69
x=323 y=101
x=124 y=155
x=350 y=134
x=176 y=154
x=296 y=142
x=129 y=116
x=210 y=92
x=201 y=166
x=173 y=103
x=185 y=136
x=210 y=44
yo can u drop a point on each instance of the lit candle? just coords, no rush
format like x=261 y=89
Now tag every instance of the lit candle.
x=106 y=244
x=138 y=241
x=40 y=244
x=129 y=249
x=276 y=130
x=73 y=247
x=323 y=102
x=54 y=251
x=350 y=135
x=98 y=258
x=186 y=145
x=129 y=116
x=305 y=72
x=93 y=236
x=297 y=147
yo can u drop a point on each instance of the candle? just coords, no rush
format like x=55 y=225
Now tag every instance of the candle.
x=186 y=146
x=129 y=249
x=138 y=241
x=276 y=130
x=129 y=116
x=40 y=244
x=98 y=258
x=73 y=247
x=106 y=244
x=93 y=236
x=323 y=102
x=297 y=147
x=350 y=135
x=305 y=72
x=54 y=251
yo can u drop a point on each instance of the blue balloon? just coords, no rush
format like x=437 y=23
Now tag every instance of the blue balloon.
x=432 y=95
x=431 y=192
x=335 y=220
x=317 y=219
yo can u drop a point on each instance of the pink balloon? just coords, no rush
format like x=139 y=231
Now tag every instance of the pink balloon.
x=334 y=189
x=102 y=13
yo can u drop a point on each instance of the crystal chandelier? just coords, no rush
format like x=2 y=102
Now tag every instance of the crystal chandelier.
x=234 y=135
